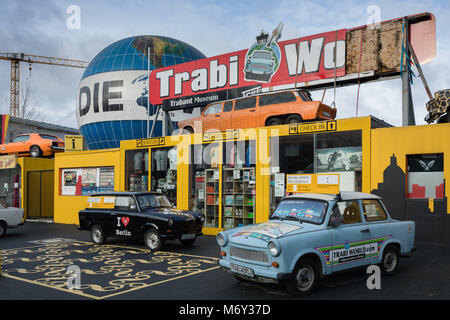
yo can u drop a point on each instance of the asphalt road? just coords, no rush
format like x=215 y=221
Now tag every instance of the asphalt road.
x=34 y=267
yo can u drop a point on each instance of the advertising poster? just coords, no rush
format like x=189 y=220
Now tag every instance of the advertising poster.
x=338 y=159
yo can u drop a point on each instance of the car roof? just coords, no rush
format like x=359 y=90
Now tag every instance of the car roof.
x=343 y=195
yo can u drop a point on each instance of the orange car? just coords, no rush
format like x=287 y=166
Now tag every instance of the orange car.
x=33 y=144
x=270 y=109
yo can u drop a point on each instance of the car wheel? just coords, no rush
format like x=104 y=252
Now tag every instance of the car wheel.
x=274 y=122
x=295 y=118
x=389 y=261
x=97 y=234
x=153 y=240
x=188 y=242
x=2 y=228
x=305 y=278
x=35 y=152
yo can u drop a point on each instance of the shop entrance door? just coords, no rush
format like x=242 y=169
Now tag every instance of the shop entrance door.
x=39 y=194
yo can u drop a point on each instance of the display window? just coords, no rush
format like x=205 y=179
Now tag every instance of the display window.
x=136 y=170
x=223 y=183
x=204 y=186
x=164 y=172
x=330 y=152
x=426 y=176
x=86 y=181
x=238 y=183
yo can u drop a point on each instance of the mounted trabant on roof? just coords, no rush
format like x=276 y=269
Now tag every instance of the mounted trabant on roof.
x=313 y=235
x=139 y=215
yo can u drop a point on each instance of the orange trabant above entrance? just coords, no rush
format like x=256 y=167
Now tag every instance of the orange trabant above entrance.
x=286 y=107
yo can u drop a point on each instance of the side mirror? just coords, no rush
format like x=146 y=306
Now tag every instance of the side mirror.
x=133 y=207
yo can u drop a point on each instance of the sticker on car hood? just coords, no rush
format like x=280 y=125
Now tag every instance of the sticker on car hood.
x=267 y=230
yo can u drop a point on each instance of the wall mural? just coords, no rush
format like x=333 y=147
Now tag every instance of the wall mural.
x=432 y=221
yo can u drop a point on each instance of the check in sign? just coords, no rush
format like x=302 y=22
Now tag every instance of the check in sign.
x=312 y=127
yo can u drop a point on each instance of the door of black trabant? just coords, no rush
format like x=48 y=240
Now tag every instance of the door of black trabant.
x=123 y=217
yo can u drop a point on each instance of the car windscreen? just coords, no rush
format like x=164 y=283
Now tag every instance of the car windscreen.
x=305 y=210
x=262 y=55
x=148 y=201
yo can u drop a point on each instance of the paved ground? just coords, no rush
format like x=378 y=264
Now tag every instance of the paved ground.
x=34 y=268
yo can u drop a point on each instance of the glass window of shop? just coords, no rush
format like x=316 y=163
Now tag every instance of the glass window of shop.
x=136 y=170
x=341 y=152
x=335 y=152
x=238 y=183
x=204 y=185
x=164 y=172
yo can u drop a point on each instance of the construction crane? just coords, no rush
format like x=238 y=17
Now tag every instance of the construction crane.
x=16 y=58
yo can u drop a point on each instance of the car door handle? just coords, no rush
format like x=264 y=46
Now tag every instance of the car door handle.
x=252 y=110
x=365 y=230
x=218 y=115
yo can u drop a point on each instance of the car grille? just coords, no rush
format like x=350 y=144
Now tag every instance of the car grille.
x=247 y=254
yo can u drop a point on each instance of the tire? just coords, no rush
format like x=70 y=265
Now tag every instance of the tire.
x=305 y=278
x=390 y=260
x=3 y=228
x=35 y=151
x=188 y=242
x=153 y=240
x=295 y=118
x=97 y=235
x=274 y=122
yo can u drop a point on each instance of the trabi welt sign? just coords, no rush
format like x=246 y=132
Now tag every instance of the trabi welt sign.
x=266 y=65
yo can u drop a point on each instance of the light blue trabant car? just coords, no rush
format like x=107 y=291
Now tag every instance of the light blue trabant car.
x=312 y=235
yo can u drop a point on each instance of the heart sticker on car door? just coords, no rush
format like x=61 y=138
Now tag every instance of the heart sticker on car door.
x=125 y=220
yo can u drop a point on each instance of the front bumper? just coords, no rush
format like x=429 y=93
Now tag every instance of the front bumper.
x=266 y=274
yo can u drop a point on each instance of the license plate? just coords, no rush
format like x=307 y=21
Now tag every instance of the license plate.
x=248 y=272
x=187 y=236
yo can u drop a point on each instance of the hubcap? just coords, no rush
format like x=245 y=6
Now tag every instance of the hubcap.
x=152 y=241
x=390 y=261
x=305 y=278
x=97 y=235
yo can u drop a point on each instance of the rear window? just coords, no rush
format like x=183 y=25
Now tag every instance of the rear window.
x=282 y=97
x=373 y=211
x=21 y=138
x=305 y=95
x=46 y=136
x=245 y=103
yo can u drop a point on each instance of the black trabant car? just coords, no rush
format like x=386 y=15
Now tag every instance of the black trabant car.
x=139 y=215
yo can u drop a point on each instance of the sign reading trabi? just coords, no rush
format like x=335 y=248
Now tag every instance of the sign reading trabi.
x=220 y=135
x=150 y=142
x=312 y=127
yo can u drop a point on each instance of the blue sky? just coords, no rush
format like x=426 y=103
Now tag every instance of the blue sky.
x=214 y=27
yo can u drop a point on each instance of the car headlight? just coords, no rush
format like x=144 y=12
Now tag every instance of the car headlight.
x=170 y=222
x=221 y=239
x=274 y=248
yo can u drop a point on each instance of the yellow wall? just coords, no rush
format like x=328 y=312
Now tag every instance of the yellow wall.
x=67 y=207
x=403 y=141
